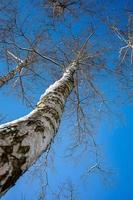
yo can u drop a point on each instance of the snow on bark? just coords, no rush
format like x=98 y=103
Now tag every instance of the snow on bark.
x=25 y=63
x=22 y=141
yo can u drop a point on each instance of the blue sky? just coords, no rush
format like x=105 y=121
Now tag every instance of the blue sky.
x=117 y=147
x=114 y=138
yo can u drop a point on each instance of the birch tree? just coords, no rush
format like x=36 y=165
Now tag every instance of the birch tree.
x=24 y=140
x=74 y=63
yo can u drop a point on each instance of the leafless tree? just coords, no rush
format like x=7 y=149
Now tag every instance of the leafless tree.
x=39 y=47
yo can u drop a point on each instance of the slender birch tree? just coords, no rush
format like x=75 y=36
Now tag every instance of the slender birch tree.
x=22 y=141
x=27 y=47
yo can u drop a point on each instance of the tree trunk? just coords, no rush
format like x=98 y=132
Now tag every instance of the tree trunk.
x=22 y=141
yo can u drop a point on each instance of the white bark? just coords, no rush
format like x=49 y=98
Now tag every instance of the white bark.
x=22 y=141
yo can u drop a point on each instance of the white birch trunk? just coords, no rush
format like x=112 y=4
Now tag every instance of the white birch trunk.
x=22 y=141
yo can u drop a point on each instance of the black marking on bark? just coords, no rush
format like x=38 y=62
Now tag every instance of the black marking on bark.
x=16 y=172
x=22 y=160
x=52 y=111
x=43 y=136
x=33 y=121
x=30 y=123
x=19 y=138
x=14 y=130
x=4 y=158
x=39 y=122
x=55 y=93
x=7 y=149
x=3 y=176
x=64 y=89
x=23 y=149
x=2 y=136
x=39 y=128
x=56 y=100
x=50 y=122
x=55 y=114
x=8 y=130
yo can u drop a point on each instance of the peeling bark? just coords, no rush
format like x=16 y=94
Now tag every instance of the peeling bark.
x=22 y=141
